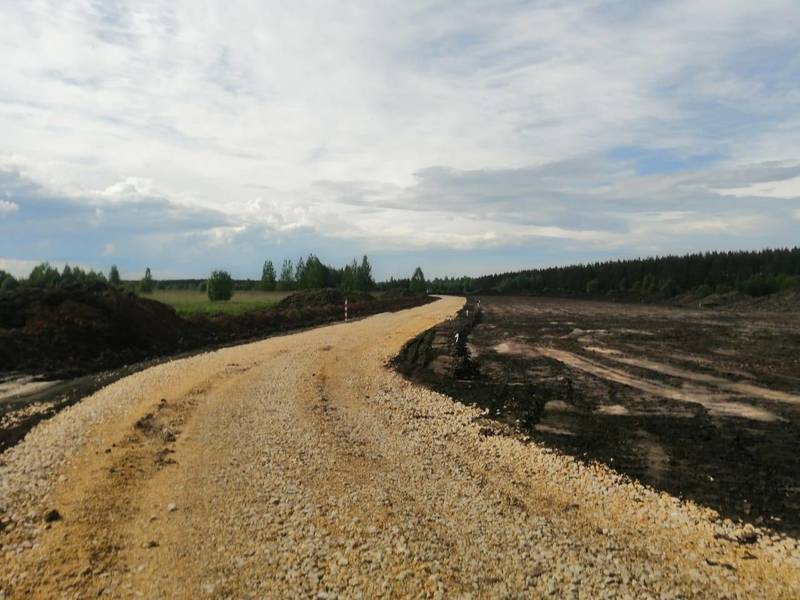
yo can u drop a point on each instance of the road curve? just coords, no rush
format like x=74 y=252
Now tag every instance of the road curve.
x=300 y=466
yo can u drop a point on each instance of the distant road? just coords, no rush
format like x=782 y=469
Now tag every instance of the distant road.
x=300 y=466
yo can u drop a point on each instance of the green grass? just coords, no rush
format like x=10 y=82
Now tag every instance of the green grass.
x=188 y=302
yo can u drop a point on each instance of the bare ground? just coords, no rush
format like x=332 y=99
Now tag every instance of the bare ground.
x=302 y=467
x=702 y=404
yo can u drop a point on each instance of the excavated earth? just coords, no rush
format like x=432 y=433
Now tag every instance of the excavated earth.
x=60 y=345
x=303 y=467
x=702 y=404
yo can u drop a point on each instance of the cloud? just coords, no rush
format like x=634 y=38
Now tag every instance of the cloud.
x=7 y=207
x=176 y=132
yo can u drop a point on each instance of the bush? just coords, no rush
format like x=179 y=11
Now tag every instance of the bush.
x=219 y=286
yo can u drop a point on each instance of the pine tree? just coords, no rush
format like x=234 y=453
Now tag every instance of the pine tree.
x=418 y=284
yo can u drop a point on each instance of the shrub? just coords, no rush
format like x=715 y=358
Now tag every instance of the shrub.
x=219 y=286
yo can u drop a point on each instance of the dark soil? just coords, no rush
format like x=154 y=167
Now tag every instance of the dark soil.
x=91 y=336
x=73 y=331
x=704 y=404
x=77 y=330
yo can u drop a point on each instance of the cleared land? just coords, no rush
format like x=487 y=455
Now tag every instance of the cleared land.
x=702 y=404
x=188 y=302
x=301 y=466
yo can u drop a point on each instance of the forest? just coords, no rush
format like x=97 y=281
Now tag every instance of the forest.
x=755 y=273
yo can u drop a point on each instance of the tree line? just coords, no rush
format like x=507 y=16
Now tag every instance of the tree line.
x=311 y=273
x=306 y=273
x=47 y=276
x=756 y=273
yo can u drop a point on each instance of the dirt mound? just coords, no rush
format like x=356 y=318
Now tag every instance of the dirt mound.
x=75 y=330
x=787 y=301
x=325 y=297
x=64 y=331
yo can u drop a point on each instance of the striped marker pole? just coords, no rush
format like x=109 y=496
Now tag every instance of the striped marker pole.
x=345 y=309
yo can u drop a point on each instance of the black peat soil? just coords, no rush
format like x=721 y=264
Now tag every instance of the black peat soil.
x=85 y=337
x=702 y=404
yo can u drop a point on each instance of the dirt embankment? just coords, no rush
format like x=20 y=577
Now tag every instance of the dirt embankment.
x=703 y=404
x=440 y=358
x=75 y=330
x=88 y=337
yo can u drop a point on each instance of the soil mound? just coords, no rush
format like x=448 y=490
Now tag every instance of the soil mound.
x=95 y=326
x=80 y=329
x=325 y=297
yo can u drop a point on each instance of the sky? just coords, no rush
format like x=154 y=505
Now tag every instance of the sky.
x=465 y=137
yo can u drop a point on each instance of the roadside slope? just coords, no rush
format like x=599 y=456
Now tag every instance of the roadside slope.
x=301 y=465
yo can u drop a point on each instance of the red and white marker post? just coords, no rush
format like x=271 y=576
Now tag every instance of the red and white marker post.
x=345 y=309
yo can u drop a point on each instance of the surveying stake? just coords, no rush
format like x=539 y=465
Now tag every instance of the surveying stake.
x=345 y=309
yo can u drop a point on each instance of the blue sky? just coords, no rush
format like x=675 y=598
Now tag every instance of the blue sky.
x=467 y=137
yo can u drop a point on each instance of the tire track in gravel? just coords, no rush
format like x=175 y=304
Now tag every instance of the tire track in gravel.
x=302 y=467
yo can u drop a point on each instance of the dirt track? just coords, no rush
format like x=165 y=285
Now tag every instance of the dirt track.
x=301 y=466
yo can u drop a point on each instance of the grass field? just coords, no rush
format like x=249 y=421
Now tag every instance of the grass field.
x=190 y=302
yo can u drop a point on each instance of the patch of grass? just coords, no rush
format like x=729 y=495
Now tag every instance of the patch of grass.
x=188 y=302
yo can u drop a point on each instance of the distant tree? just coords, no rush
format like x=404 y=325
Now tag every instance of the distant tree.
x=669 y=288
x=314 y=274
x=286 y=281
x=113 y=276
x=418 y=281
x=299 y=272
x=219 y=286
x=364 y=281
x=147 y=285
x=267 y=277
x=350 y=276
x=69 y=275
x=7 y=281
x=44 y=275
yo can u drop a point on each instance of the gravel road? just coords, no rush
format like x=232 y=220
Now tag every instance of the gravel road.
x=301 y=466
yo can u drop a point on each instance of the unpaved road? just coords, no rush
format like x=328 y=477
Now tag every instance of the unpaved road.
x=301 y=466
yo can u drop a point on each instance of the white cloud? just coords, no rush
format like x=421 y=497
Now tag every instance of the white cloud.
x=7 y=207
x=405 y=125
x=18 y=268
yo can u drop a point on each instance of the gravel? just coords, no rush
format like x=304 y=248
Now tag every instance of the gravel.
x=303 y=467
